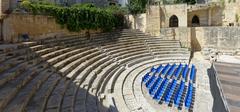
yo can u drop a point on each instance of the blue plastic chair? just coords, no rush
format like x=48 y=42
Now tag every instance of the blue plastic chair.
x=164 y=71
x=179 y=69
x=171 y=70
x=185 y=71
x=155 y=86
x=192 y=74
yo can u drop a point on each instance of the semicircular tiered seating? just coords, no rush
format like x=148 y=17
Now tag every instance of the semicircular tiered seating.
x=75 y=73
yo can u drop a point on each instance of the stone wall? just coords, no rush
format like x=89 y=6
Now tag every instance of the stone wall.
x=179 y=10
x=218 y=38
x=4 y=6
x=207 y=17
x=181 y=33
x=153 y=20
x=222 y=39
x=139 y=22
x=36 y=26
x=230 y=12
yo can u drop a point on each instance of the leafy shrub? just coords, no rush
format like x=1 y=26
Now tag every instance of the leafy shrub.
x=83 y=5
x=80 y=17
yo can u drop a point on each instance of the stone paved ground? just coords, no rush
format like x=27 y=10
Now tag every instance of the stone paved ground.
x=229 y=59
x=228 y=72
x=228 y=76
x=204 y=98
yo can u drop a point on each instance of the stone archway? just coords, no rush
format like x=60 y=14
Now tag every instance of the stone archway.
x=173 y=21
x=195 y=21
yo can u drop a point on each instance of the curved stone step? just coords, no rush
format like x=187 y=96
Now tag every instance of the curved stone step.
x=169 y=49
x=54 y=53
x=88 y=78
x=13 y=54
x=164 y=45
x=139 y=60
x=60 y=39
x=132 y=57
x=90 y=64
x=100 y=77
x=108 y=80
x=125 y=49
x=119 y=43
x=125 y=46
x=69 y=98
x=11 y=63
x=10 y=89
x=80 y=99
x=88 y=81
x=55 y=99
x=77 y=62
x=16 y=71
x=170 y=52
x=39 y=100
x=22 y=98
x=73 y=77
x=66 y=58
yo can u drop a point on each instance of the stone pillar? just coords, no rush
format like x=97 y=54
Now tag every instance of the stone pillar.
x=209 y=17
x=4 y=6
x=153 y=20
x=160 y=23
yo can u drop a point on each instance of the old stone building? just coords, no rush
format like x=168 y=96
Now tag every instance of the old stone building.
x=183 y=15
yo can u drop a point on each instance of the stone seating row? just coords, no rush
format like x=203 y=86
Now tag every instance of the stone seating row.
x=68 y=71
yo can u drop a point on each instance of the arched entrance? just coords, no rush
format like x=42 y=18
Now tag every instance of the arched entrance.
x=195 y=21
x=173 y=21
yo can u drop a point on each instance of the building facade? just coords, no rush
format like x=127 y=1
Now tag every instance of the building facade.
x=208 y=14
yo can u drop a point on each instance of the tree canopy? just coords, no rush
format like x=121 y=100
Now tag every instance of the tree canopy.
x=137 y=6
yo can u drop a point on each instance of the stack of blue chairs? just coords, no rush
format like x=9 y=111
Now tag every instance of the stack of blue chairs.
x=189 y=96
x=151 y=81
x=155 y=86
x=165 y=70
x=178 y=96
x=145 y=78
x=159 y=69
x=177 y=73
x=148 y=75
x=171 y=70
x=170 y=93
x=161 y=90
x=163 y=84
x=192 y=74
x=185 y=71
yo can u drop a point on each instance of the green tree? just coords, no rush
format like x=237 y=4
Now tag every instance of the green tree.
x=136 y=7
